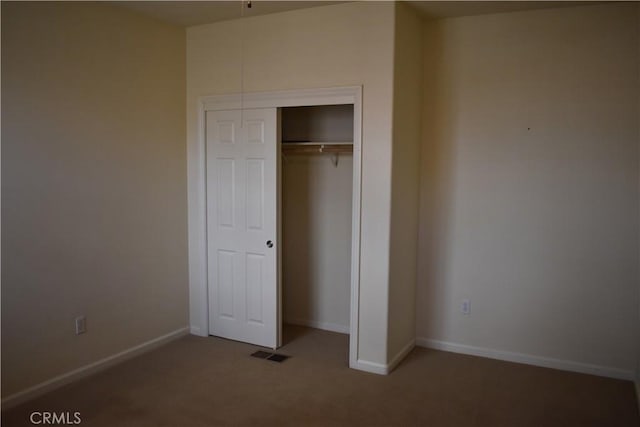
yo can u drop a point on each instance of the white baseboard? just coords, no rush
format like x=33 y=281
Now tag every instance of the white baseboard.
x=92 y=368
x=401 y=355
x=371 y=367
x=195 y=330
x=325 y=326
x=380 y=368
x=545 y=362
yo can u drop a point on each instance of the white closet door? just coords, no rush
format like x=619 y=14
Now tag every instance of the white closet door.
x=241 y=224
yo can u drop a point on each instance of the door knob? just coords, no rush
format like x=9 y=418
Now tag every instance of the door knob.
x=269 y=244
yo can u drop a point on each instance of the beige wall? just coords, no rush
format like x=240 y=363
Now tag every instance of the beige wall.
x=340 y=45
x=407 y=103
x=529 y=184
x=316 y=226
x=93 y=185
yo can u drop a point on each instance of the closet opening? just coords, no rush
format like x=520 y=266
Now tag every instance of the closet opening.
x=239 y=259
x=316 y=213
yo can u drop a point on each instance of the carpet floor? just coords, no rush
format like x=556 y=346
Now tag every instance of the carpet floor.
x=214 y=382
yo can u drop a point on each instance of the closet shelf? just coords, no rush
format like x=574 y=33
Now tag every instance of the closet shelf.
x=317 y=147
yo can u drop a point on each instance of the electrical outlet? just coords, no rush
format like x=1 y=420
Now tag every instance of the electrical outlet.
x=466 y=306
x=81 y=325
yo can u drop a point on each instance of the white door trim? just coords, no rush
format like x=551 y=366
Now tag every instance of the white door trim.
x=196 y=169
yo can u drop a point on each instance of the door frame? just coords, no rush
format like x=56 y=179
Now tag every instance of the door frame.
x=197 y=203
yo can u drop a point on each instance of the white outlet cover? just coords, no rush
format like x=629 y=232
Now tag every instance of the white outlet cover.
x=81 y=325
x=466 y=306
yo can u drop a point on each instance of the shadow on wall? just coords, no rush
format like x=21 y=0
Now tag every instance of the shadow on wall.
x=297 y=250
x=436 y=184
x=317 y=241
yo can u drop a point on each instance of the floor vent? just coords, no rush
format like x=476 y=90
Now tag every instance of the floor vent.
x=277 y=358
x=261 y=354
x=274 y=357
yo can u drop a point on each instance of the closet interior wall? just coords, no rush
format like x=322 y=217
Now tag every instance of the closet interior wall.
x=316 y=209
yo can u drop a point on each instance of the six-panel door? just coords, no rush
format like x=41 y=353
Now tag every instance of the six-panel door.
x=241 y=224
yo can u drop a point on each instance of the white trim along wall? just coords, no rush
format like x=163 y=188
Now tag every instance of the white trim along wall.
x=196 y=164
x=90 y=369
x=528 y=359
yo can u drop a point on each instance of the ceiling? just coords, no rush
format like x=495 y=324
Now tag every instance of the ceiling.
x=449 y=9
x=188 y=13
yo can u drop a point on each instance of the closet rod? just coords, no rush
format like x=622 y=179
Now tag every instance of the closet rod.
x=314 y=148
